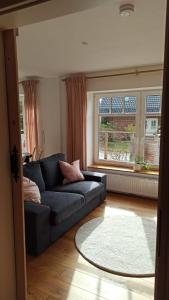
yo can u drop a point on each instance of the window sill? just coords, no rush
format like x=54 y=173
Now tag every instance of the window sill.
x=113 y=169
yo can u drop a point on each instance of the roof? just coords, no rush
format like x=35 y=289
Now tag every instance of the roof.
x=127 y=104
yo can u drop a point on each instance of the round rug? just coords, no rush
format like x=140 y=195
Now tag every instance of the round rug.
x=123 y=245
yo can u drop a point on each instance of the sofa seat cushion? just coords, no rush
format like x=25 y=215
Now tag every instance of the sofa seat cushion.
x=89 y=189
x=62 y=205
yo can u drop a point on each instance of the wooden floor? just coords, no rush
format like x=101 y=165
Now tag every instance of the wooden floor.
x=61 y=273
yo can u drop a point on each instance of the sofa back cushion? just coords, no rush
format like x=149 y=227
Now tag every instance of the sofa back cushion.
x=51 y=170
x=33 y=171
x=71 y=172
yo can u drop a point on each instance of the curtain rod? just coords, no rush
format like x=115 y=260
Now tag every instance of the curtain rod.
x=20 y=81
x=122 y=74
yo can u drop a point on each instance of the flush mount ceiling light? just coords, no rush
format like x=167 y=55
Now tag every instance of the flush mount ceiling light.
x=126 y=10
x=84 y=43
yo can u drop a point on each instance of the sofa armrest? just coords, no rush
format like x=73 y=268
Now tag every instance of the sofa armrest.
x=37 y=227
x=96 y=176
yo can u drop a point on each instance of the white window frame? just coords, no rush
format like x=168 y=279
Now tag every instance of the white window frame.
x=140 y=122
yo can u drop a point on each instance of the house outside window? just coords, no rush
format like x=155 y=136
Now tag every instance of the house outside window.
x=127 y=127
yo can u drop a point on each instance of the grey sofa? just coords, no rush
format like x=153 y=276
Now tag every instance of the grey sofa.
x=61 y=206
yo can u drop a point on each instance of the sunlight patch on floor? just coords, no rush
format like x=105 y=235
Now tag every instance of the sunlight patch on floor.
x=96 y=288
x=111 y=211
x=100 y=288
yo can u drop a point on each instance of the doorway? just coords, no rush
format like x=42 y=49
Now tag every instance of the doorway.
x=160 y=213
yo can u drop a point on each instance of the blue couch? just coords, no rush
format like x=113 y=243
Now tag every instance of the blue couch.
x=61 y=206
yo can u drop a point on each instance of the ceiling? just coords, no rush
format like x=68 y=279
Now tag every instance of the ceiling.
x=94 y=40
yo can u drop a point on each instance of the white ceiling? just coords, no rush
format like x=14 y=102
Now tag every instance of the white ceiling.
x=54 y=47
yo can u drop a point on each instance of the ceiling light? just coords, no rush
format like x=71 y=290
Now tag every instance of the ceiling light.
x=126 y=10
x=84 y=43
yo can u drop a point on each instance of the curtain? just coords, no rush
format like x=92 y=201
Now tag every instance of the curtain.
x=76 y=118
x=30 y=95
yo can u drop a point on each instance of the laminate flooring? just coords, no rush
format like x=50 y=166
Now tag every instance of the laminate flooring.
x=60 y=273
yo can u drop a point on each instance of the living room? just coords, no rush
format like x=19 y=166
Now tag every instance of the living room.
x=143 y=76
x=144 y=73
x=133 y=74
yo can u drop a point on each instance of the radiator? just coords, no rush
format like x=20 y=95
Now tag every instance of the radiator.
x=136 y=185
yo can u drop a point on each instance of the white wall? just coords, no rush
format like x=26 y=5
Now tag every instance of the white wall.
x=141 y=80
x=49 y=116
x=153 y=79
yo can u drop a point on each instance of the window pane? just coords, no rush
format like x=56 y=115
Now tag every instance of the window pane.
x=117 y=138
x=22 y=123
x=152 y=129
x=117 y=105
x=153 y=104
x=152 y=140
x=115 y=146
x=116 y=123
x=21 y=116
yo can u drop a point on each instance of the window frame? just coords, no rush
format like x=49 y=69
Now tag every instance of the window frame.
x=140 y=123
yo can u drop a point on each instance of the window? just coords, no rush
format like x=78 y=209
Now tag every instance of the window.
x=153 y=124
x=22 y=122
x=152 y=128
x=128 y=127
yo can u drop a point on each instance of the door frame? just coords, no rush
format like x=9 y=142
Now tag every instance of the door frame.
x=162 y=254
x=12 y=96
x=162 y=248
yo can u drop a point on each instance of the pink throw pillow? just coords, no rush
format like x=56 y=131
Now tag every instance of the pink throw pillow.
x=30 y=191
x=71 y=172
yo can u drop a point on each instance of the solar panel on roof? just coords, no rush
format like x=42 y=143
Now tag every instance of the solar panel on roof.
x=153 y=104
x=118 y=105
x=130 y=104
x=127 y=104
x=104 y=105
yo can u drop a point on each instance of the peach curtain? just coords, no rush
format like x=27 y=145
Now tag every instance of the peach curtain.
x=76 y=118
x=30 y=94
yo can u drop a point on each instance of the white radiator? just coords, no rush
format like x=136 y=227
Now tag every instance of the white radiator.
x=136 y=185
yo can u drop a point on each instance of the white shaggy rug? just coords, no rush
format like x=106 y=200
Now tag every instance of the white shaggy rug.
x=123 y=245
